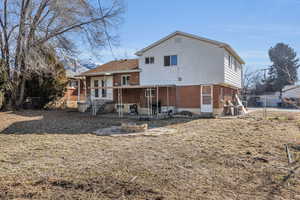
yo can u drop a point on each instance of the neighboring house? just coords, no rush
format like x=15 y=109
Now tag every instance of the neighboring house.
x=291 y=91
x=178 y=72
x=268 y=99
x=76 y=89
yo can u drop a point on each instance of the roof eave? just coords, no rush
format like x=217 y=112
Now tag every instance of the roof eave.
x=233 y=52
x=108 y=73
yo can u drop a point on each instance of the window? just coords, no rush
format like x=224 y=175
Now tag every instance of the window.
x=125 y=80
x=167 y=61
x=149 y=60
x=73 y=83
x=104 y=91
x=229 y=61
x=173 y=60
x=236 y=66
x=170 y=60
x=96 y=84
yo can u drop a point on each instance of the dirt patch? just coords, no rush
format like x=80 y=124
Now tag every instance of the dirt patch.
x=51 y=155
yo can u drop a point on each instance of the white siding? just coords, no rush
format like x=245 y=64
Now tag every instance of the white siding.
x=233 y=74
x=198 y=63
x=293 y=93
x=109 y=92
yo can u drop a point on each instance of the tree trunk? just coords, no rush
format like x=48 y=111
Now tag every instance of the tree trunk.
x=21 y=91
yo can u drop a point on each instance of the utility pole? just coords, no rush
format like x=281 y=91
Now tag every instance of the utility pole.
x=265 y=104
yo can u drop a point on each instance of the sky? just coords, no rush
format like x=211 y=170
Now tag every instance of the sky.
x=251 y=27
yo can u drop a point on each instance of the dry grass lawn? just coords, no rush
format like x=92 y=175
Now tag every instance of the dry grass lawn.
x=52 y=155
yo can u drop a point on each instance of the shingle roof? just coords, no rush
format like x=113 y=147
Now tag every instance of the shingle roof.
x=114 y=66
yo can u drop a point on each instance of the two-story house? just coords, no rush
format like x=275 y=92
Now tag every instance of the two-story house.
x=179 y=72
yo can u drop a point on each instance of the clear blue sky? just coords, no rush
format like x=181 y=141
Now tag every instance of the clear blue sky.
x=251 y=27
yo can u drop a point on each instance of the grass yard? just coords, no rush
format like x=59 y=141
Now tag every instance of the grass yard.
x=53 y=155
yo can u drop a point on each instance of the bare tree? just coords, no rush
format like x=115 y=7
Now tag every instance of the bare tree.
x=29 y=28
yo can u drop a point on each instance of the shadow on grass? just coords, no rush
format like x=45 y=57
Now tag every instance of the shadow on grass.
x=64 y=122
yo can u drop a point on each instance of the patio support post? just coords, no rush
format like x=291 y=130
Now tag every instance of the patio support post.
x=78 y=95
x=85 y=89
x=148 y=103
x=121 y=91
x=118 y=103
x=167 y=99
x=157 y=110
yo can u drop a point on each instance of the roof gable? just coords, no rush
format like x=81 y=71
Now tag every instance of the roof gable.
x=213 y=42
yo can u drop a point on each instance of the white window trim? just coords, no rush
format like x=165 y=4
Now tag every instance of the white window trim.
x=149 y=57
x=109 y=92
x=171 y=60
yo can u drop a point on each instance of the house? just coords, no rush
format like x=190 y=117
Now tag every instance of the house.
x=75 y=90
x=291 y=95
x=180 y=72
x=291 y=91
x=268 y=99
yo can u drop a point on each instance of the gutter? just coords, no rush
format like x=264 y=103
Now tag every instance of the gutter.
x=108 y=73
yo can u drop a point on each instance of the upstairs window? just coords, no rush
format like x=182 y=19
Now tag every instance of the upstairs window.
x=126 y=80
x=229 y=61
x=149 y=60
x=236 y=66
x=170 y=60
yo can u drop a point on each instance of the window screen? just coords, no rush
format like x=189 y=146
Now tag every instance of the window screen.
x=174 y=60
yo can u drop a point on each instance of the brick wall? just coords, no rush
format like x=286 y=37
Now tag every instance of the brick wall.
x=223 y=94
x=71 y=94
x=188 y=96
x=134 y=78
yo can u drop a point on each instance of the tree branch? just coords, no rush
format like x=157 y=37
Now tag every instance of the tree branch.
x=69 y=29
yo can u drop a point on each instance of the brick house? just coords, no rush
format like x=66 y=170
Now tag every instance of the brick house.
x=179 y=72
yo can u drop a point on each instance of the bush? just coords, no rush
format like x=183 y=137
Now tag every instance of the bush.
x=45 y=87
x=1 y=99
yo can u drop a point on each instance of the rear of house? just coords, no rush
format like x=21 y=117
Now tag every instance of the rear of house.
x=179 y=72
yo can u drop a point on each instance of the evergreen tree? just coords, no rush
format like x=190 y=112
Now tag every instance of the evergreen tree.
x=283 y=71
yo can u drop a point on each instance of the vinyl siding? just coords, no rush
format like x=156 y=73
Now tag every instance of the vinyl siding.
x=231 y=76
x=293 y=93
x=198 y=63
